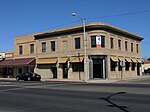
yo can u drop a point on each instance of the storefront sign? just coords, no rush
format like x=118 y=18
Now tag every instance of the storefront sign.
x=2 y=55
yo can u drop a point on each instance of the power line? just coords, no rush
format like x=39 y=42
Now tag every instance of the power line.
x=122 y=14
x=73 y=22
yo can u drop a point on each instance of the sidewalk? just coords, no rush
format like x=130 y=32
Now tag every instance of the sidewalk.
x=138 y=78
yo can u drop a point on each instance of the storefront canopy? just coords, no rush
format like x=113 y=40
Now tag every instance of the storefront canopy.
x=134 y=60
x=139 y=61
x=47 y=60
x=128 y=59
x=77 y=59
x=115 y=59
x=121 y=58
x=63 y=60
x=18 y=62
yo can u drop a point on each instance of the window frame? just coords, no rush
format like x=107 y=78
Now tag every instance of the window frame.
x=132 y=47
x=102 y=41
x=53 y=46
x=126 y=45
x=20 y=50
x=93 y=41
x=31 y=48
x=111 y=42
x=43 y=47
x=77 y=43
x=119 y=44
x=137 y=48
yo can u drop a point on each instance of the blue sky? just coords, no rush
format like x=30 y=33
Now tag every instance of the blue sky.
x=21 y=17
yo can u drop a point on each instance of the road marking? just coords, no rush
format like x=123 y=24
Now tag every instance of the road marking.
x=28 y=87
x=11 y=89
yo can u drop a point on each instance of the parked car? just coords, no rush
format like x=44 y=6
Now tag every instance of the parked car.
x=147 y=71
x=30 y=76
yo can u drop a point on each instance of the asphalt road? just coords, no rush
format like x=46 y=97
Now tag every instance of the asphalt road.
x=74 y=97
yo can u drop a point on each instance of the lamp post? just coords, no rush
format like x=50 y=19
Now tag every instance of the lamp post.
x=84 y=36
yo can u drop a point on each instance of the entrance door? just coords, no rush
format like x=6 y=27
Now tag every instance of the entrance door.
x=65 y=70
x=97 y=68
x=54 y=71
x=138 y=69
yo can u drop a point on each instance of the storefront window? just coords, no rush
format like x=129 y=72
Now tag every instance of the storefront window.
x=119 y=66
x=133 y=66
x=78 y=67
x=113 y=65
x=127 y=66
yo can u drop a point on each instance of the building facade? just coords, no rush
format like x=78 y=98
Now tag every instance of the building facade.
x=112 y=53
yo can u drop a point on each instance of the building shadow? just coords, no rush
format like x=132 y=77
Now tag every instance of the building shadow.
x=112 y=104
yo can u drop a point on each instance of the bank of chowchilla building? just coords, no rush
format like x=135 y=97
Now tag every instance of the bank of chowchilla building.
x=107 y=52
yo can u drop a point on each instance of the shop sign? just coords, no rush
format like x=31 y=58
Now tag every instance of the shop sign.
x=2 y=55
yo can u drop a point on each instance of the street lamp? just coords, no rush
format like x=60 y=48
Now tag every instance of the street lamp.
x=84 y=36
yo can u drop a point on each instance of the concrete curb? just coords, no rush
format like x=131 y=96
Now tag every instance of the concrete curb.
x=89 y=81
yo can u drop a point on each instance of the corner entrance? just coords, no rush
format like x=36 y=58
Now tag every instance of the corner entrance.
x=97 y=67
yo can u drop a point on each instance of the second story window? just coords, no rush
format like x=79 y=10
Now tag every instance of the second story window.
x=119 y=44
x=93 y=41
x=43 y=46
x=52 y=45
x=77 y=43
x=137 y=48
x=20 y=50
x=126 y=46
x=131 y=47
x=111 y=43
x=31 y=48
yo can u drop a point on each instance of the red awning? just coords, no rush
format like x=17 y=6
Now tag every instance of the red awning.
x=4 y=62
x=19 y=62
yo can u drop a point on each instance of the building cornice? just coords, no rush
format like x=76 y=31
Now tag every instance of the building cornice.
x=93 y=25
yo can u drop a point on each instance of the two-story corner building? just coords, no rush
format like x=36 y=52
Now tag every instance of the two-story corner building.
x=111 y=53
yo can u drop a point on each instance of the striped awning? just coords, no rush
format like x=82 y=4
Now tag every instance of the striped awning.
x=134 y=60
x=77 y=59
x=139 y=60
x=63 y=60
x=121 y=58
x=46 y=60
x=128 y=59
x=115 y=59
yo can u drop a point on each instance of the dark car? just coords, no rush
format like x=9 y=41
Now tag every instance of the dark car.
x=28 y=77
x=147 y=71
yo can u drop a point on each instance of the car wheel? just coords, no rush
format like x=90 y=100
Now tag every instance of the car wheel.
x=17 y=78
x=29 y=78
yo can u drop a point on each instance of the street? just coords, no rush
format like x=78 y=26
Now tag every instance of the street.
x=74 y=97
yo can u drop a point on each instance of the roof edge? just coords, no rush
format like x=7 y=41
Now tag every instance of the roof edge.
x=90 y=25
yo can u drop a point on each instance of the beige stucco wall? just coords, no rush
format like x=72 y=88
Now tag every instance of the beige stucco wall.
x=65 y=47
x=24 y=41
